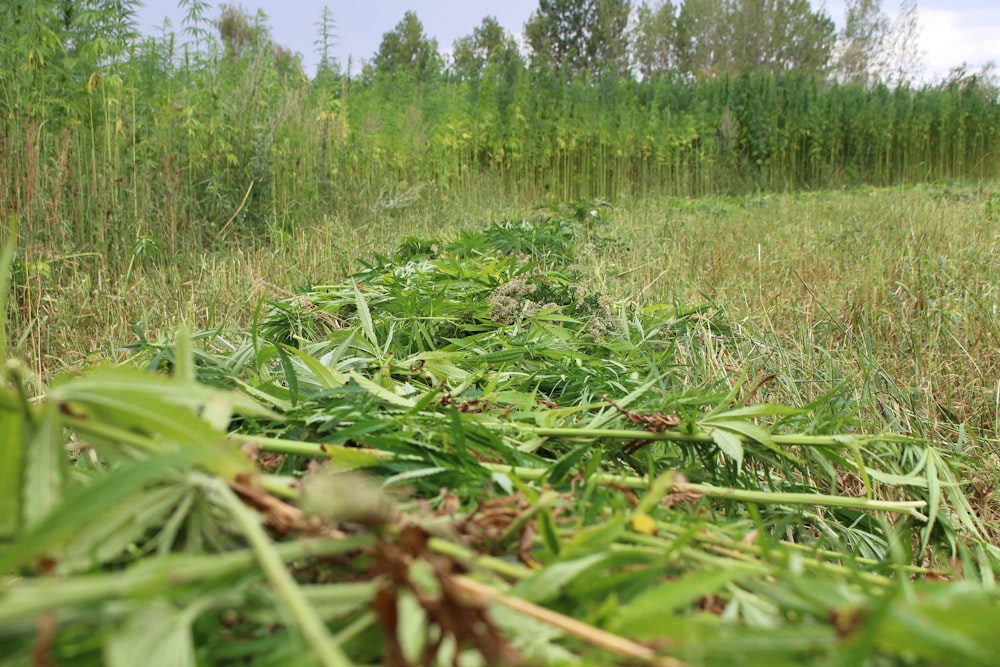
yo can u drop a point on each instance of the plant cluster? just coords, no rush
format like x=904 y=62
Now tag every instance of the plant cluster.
x=537 y=489
x=133 y=149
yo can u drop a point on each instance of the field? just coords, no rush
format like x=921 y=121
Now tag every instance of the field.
x=759 y=348
x=891 y=289
x=422 y=365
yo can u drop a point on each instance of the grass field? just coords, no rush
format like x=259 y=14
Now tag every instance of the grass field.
x=894 y=290
x=725 y=431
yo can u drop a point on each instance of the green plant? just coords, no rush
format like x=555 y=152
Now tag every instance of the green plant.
x=646 y=501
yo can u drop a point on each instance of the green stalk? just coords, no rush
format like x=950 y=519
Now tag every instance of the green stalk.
x=25 y=598
x=745 y=495
x=6 y=260
x=305 y=618
x=355 y=627
x=790 y=440
x=751 y=554
x=342 y=457
x=766 y=497
x=113 y=433
x=727 y=543
x=473 y=560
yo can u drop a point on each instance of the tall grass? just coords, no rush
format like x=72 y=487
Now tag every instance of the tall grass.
x=133 y=149
x=892 y=290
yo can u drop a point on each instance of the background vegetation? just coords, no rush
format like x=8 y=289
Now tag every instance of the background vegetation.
x=124 y=146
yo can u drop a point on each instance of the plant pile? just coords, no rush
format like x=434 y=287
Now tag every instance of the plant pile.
x=469 y=454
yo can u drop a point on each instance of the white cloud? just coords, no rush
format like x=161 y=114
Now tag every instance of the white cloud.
x=950 y=38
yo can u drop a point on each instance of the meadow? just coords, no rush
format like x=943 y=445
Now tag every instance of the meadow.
x=808 y=365
x=380 y=369
x=893 y=288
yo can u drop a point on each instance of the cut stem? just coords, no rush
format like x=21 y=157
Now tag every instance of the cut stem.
x=305 y=618
x=789 y=440
x=763 y=497
x=588 y=633
x=26 y=598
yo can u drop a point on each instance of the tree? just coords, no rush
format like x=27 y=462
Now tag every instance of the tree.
x=700 y=36
x=780 y=35
x=576 y=36
x=862 y=41
x=905 y=61
x=613 y=35
x=487 y=45
x=872 y=49
x=654 y=39
x=714 y=37
x=407 y=48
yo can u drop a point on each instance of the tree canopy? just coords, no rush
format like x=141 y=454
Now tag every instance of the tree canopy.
x=489 y=44
x=686 y=38
x=580 y=36
x=407 y=47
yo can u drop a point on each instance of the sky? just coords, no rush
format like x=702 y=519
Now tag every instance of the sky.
x=952 y=32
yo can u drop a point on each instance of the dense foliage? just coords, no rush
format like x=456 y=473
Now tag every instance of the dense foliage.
x=143 y=144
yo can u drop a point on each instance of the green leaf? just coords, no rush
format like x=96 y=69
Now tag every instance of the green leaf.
x=126 y=526
x=730 y=444
x=442 y=365
x=549 y=582
x=745 y=428
x=44 y=467
x=156 y=634
x=109 y=385
x=120 y=406
x=12 y=446
x=566 y=463
x=6 y=260
x=595 y=538
x=84 y=505
x=503 y=481
x=367 y=326
x=762 y=410
x=418 y=473
x=325 y=377
x=380 y=392
x=962 y=633
x=547 y=527
x=412 y=629
x=933 y=497
x=607 y=415
x=184 y=368
x=645 y=615
x=291 y=379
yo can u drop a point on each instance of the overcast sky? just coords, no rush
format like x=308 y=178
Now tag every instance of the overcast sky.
x=952 y=31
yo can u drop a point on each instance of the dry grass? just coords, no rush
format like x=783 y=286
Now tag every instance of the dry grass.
x=893 y=290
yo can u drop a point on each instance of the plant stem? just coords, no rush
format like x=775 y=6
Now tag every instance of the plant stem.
x=790 y=440
x=472 y=560
x=313 y=630
x=25 y=598
x=764 y=497
x=588 y=633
